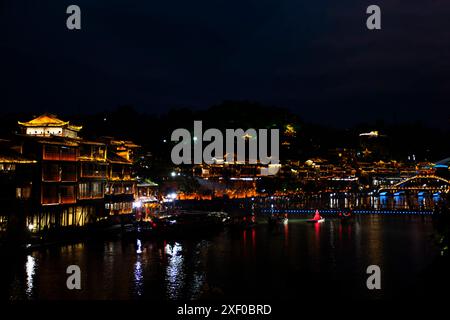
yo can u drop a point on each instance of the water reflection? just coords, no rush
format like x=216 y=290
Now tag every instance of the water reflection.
x=198 y=281
x=30 y=269
x=286 y=234
x=263 y=262
x=253 y=239
x=174 y=274
x=317 y=230
x=139 y=246
x=138 y=277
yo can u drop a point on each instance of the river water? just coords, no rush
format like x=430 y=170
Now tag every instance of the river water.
x=327 y=260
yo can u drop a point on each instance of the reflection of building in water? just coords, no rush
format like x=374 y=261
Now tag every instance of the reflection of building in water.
x=175 y=274
x=30 y=268
x=138 y=277
x=374 y=239
x=185 y=275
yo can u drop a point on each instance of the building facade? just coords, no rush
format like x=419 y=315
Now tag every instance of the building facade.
x=75 y=181
x=15 y=191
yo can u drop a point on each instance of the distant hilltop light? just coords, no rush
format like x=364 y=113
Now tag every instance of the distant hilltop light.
x=369 y=134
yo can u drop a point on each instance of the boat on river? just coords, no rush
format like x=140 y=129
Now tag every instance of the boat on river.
x=277 y=219
x=345 y=215
x=316 y=221
x=317 y=218
x=242 y=222
x=180 y=224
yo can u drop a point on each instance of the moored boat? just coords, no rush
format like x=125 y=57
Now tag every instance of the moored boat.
x=181 y=224
x=345 y=215
x=277 y=219
x=242 y=222
x=316 y=221
x=317 y=218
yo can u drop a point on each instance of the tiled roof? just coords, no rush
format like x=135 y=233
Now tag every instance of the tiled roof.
x=49 y=120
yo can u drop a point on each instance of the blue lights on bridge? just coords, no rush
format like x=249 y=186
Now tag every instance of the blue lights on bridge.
x=334 y=211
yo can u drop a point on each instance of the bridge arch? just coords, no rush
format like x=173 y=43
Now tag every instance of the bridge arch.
x=418 y=183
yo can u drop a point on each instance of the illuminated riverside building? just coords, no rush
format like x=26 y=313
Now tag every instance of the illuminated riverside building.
x=342 y=175
x=236 y=171
x=48 y=125
x=146 y=199
x=15 y=189
x=316 y=174
x=120 y=186
x=233 y=180
x=75 y=181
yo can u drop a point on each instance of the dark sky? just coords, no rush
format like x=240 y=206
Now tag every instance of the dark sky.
x=314 y=57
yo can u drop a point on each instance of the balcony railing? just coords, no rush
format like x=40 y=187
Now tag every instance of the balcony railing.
x=120 y=176
x=87 y=196
x=120 y=211
x=117 y=176
x=93 y=174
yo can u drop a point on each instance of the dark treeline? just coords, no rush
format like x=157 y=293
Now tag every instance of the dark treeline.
x=153 y=131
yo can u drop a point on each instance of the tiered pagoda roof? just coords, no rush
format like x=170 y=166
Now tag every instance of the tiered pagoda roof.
x=49 y=120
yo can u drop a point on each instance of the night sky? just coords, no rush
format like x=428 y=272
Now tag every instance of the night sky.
x=314 y=57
